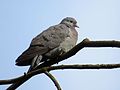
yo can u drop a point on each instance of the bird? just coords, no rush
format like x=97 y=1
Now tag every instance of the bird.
x=51 y=43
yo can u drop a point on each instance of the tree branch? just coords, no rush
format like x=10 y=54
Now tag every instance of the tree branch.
x=78 y=47
x=53 y=79
x=85 y=43
x=42 y=70
x=10 y=81
x=27 y=76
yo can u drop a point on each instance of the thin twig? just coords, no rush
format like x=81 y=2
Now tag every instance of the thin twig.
x=53 y=79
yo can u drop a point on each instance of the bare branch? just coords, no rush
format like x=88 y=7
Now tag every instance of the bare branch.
x=85 y=43
x=42 y=70
x=78 y=47
x=10 y=81
x=53 y=79
x=19 y=82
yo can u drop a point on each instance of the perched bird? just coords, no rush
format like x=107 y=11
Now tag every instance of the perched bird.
x=51 y=43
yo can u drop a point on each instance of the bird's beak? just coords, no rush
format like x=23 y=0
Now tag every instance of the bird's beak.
x=76 y=26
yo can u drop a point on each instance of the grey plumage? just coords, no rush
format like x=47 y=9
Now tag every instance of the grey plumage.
x=51 y=43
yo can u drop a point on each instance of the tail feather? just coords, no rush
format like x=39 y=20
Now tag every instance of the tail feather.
x=27 y=56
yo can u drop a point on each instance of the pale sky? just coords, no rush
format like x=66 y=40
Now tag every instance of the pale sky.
x=21 y=20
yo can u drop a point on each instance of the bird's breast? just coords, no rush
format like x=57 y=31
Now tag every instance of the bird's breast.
x=69 y=41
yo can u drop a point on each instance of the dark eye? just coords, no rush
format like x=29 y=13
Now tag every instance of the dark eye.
x=71 y=21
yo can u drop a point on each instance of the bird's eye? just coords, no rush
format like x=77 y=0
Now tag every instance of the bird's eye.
x=71 y=21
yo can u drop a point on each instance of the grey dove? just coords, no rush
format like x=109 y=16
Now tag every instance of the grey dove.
x=51 y=43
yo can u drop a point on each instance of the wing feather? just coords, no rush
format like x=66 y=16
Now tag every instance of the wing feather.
x=43 y=43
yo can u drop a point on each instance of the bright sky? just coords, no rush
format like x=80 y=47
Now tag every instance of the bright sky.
x=21 y=20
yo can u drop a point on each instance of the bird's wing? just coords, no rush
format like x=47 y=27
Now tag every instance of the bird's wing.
x=44 y=42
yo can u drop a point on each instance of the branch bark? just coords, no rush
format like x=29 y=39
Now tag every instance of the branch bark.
x=53 y=79
x=20 y=80
x=42 y=70
x=78 y=47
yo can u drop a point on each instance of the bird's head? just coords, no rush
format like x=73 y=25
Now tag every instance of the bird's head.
x=69 y=21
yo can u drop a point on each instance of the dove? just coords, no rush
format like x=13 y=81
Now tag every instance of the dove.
x=51 y=43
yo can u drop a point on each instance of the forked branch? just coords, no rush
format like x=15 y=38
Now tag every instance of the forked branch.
x=44 y=66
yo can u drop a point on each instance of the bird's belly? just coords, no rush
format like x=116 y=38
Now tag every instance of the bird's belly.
x=64 y=47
